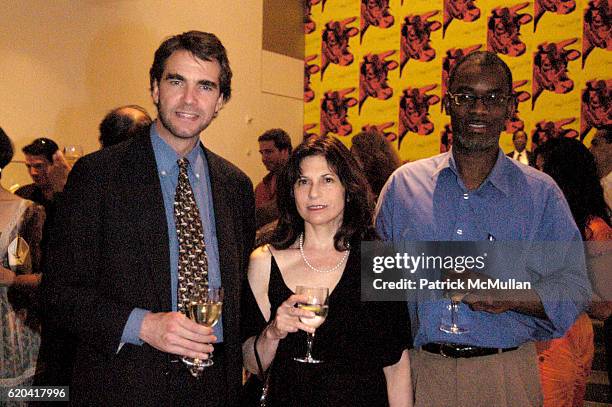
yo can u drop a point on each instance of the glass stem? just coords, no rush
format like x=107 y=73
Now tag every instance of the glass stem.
x=309 y=340
x=454 y=306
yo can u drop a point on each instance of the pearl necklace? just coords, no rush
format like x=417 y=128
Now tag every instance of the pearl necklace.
x=336 y=267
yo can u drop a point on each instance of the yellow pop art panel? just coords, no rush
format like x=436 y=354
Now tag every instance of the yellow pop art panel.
x=557 y=50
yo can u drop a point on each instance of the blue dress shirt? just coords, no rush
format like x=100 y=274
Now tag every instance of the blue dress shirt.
x=167 y=167
x=426 y=200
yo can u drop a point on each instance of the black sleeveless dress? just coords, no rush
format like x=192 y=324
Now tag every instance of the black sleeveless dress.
x=356 y=341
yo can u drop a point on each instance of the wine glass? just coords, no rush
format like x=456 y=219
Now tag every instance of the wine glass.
x=455 y=299
x=204 y=310
x=317 y=302
x=72 y=152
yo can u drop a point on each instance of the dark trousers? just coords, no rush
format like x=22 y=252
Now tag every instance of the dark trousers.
x=608 y=345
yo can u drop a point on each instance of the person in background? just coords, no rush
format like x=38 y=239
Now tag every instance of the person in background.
x=520 y=153
x=49 y=170
x=274 y=147
x=39 y=158
x=601 y=148
x=122 y=123
x=377 y=158
x=325 y=212
x=19 y=326
x=476 y=193
x=565 y=363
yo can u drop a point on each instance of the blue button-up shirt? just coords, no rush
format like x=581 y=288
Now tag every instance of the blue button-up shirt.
x=167 y=169
x=427 y=201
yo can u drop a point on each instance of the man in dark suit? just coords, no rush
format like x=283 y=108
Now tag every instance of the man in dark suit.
x=520 y=153
x=113 y=274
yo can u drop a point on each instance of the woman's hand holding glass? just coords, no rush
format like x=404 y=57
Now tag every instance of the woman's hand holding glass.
x=287 y=319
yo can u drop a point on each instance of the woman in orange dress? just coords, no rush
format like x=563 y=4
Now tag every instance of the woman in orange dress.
x=565 y=363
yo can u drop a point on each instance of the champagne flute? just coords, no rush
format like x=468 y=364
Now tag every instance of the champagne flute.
x=318 y=298
x=455 y=299
x=72 y=152
x=204 y=310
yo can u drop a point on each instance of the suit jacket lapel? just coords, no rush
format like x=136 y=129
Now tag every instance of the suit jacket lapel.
x=224 y=220
x=151 y=215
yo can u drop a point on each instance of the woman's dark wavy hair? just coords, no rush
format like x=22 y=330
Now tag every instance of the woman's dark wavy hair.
x=357 y=222
x=6 y=149
x=573 y=168
x=377 y=157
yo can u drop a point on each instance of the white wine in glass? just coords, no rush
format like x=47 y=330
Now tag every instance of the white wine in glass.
x=318 y=302
x=72 y=152
x=205 y=313
x=205 y=310
x=320 y=314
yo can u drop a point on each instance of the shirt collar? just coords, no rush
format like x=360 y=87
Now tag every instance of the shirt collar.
x=499 y=174
x=167 y=157
x=445 y=162
x=497 y=177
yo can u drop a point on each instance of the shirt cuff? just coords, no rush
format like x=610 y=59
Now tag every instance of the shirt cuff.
x=131 y=331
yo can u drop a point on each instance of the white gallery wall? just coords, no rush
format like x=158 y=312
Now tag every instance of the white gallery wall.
x=64 y=64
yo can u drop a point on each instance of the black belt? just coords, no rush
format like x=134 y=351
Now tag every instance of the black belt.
x=452 y=350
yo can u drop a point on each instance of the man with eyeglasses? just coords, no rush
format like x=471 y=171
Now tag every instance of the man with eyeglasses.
x=472 y=193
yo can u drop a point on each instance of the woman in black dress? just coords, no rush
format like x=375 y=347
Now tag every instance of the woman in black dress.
x=325 y=212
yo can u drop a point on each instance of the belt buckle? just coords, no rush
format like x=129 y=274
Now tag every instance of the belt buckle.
x=449 y=351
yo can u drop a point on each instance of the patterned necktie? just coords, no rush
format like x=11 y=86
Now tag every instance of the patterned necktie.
x=192 y=262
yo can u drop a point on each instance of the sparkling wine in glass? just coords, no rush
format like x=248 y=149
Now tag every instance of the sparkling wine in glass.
x=204 y=310
x=72 y=152
x=318 y=298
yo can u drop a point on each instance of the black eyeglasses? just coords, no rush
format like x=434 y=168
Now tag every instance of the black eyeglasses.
x=489 y=100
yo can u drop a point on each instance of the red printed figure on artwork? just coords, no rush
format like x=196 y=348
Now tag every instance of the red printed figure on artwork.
x=446 y=138
x=596 y=31
x=595 y=105
x=380 y=129
x=373 y=77
x=309 y=69
x=306 y=134
x=464 y=10
x=415 y=41
x=552 y=6
x=375 y=13
x=335 y=43
x=453 y=56
x=504 y=30
x=550 y=68
x=515 y=123
x=546 y=130
x=414 y=111
x=309 y=24
x=334 y=112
